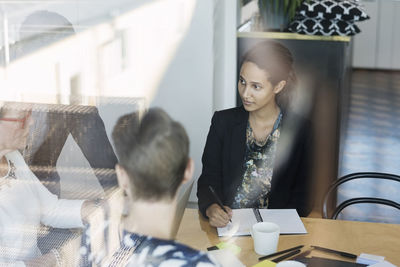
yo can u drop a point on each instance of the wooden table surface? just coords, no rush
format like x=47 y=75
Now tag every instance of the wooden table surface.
x=353 y=237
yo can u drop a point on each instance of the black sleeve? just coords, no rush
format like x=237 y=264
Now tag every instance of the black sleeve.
x=212 y=167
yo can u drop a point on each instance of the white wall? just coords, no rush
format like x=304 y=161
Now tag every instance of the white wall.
x=365 y=43
x=388 y=56
x=201 y=77
x=224 y=45
x=185 y=92
x=377 y=46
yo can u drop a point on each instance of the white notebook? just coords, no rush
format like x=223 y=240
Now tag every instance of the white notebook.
x=243 y=219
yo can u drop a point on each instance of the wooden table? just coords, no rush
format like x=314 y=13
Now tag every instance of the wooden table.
x=354 y=237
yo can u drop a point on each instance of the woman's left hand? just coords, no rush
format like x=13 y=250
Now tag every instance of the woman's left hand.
x=89 y=206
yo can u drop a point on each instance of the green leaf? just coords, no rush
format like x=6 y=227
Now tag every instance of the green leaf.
x=289 y=7
x=286 y=5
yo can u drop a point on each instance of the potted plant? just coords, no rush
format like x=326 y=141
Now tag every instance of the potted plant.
x=276 y=14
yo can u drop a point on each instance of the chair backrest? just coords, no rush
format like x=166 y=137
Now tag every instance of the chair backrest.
x=359 y=175
x=184 y=193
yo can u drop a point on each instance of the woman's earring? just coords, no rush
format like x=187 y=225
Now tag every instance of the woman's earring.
x=125 y=204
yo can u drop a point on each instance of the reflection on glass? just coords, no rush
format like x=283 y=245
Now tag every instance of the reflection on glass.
x=25 y=202
x=69 y=156
x=115 y=55
x=67 y=73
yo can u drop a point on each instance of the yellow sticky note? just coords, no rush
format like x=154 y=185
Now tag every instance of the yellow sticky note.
x=233 y=248
x=265 y=263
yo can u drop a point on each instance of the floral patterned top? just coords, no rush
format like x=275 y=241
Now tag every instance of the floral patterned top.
x=140 y=250
x=258 y=169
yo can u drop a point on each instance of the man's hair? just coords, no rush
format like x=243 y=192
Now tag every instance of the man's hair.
x=154 y=151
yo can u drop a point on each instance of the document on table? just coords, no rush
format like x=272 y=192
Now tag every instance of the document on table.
x=243 y=219
x=383 y=264
x=226 y=258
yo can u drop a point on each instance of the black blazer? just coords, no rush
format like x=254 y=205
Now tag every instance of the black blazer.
x=224 y=153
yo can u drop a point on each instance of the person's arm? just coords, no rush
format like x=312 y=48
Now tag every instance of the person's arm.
x=212 y=176
x=59 y=213
x=64 y=213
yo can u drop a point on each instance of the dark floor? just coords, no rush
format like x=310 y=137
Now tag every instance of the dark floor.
x=372 y=142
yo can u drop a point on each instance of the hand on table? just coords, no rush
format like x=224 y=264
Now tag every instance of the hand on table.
x=217 y=216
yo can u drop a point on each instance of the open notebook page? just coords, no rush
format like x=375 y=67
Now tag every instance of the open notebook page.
x=288 y=220
x=242 y=221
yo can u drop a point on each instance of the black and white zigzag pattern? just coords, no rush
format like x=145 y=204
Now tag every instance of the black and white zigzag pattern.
x=347 y=10
x=328 y=17
x=316 y=26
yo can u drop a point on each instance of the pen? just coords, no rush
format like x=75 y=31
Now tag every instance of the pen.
x=288 y=255
x=212 y=248
x=279 y=252
x=341 y=253
x=219 y=202
x=302 y=255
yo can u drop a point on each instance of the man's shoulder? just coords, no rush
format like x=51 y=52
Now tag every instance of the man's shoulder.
x=155 y=251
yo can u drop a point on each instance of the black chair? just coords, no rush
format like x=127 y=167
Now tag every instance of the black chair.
x=327 y=205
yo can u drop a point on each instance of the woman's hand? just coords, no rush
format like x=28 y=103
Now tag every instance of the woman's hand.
x=90 y=206
x=217 y=216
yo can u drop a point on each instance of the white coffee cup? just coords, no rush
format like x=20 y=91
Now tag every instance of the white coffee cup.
x=290 y=264
x=265 y=236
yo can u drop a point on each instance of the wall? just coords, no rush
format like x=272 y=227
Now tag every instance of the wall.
x=179 y=55
x=224 y=45
x=377 y=45
x=201 y=77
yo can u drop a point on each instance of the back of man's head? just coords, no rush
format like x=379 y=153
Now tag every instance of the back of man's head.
x=154 y=152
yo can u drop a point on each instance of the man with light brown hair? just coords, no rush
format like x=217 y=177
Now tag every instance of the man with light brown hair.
x=153 y=163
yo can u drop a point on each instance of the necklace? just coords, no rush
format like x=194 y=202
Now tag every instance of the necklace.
x=262 y=141
x=5 y=180
x=259 y=142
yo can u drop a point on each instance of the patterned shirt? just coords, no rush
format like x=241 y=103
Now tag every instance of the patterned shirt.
x=258 y=169
x=140 y=250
